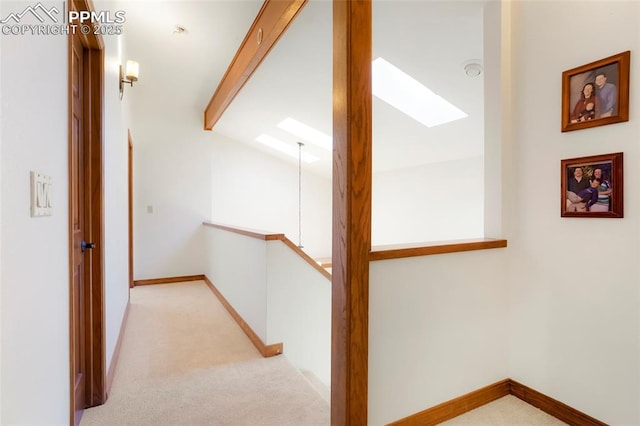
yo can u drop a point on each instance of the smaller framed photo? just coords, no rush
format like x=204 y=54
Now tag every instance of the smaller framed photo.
x=596 y=94
x=592 y=186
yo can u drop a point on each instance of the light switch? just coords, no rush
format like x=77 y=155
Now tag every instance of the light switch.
x=41 y=195
x=149 y=209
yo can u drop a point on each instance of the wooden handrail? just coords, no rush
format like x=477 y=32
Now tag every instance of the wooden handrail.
x=437 y=247
x=253 y=233
x=262 y=235
x=384 y=252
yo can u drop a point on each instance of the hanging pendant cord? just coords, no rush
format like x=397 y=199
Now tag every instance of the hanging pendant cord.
x=300 y=194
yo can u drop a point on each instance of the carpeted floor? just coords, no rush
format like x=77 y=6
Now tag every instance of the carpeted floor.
x=506 y=411
x=184 y=361
x=256 y=392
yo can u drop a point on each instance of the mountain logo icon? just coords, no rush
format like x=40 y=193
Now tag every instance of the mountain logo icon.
x=38 y=11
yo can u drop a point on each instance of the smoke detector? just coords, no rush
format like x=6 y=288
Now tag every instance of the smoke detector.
x=472 y=68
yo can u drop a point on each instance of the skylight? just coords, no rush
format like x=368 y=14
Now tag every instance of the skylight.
x=307 y=133
x=403 y=92
x=285 y=148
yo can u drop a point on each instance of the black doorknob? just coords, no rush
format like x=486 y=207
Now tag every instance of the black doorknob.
x=85 y=245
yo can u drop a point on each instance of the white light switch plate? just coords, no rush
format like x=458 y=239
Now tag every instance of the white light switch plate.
x=41 y=195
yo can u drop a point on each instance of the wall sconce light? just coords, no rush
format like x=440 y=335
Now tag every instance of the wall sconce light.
x=129 y=76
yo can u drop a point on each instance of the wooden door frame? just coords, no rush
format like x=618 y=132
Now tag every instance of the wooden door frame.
x=94 y=326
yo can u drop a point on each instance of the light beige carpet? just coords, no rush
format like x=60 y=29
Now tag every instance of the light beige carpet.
x=506 y=411
x=177 y=328
x=184 y=361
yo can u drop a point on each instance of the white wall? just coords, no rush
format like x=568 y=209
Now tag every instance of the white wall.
x=35 y=263
x=1 y=135
x=574 y=298
x=172 y=174
x=497 y=118
x=572 y=335
x=299 y=310
x=437 y=330
x=256 y=190
x=277 y=293
x=237 y=266
x=189 y=176
x=433 y=202
x=115 y=166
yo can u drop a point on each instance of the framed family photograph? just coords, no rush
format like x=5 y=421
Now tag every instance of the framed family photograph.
x=596 y=94
x=592 y=186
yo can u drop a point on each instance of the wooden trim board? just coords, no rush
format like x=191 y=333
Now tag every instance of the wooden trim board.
x=552 y=406
x=462 y=404
x=168 y=280
x=307 y=258
x=272 y=21
x=325 y=262
x=261 y=235
x=116 y=352
x=457 y=406
x=266 y=350
x=253 y=233
x=438 y=247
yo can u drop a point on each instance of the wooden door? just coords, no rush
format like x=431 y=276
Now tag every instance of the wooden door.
x=87 y=354
x=78 y=206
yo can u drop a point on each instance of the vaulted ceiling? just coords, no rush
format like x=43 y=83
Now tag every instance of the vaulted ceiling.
x=430 y=40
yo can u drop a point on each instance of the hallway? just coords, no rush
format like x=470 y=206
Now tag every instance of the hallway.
x=184 y=361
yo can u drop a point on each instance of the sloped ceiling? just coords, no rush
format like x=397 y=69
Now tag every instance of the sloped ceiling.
x=185 y=68
x=430 y=40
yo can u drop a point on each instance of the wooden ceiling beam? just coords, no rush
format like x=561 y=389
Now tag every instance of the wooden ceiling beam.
x=272 y=21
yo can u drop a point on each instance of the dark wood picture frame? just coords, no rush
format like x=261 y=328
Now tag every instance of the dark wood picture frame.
x=577 y=198
x=609 y=81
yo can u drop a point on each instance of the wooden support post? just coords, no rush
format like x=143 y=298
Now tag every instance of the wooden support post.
x=351 y=210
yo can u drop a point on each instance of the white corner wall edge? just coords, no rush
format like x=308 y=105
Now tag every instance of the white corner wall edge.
x=115 y=186
x=496 y=116
x=35 y=272
x=1 y=127
x=426 y=316
x=573 y=337
x=299 y=310
x=237 y=267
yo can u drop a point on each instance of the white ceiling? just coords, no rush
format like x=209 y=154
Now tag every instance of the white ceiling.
x=185 y=69
x=427 y=39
